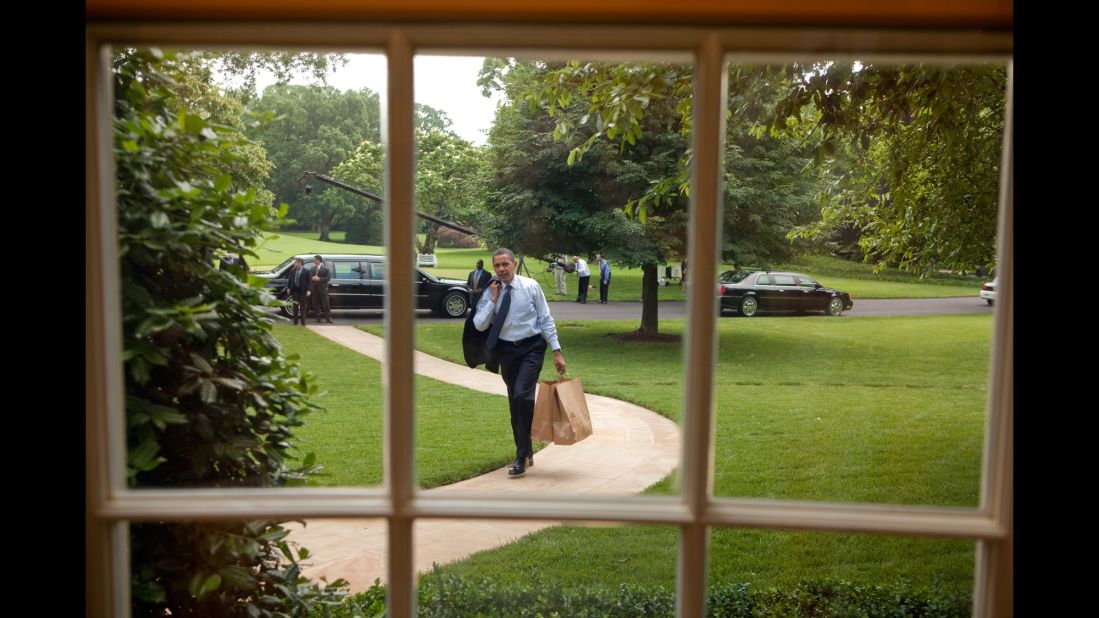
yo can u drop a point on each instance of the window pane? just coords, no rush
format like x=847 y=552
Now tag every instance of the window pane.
x=224 y=386
x=880 y=183
x=554 y=570
x=229 y=568
x=781 y=573
x=556 y=185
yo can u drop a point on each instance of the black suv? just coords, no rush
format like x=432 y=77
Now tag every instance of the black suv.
x=358 y=283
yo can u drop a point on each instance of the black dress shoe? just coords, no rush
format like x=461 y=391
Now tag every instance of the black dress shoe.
x=530 y=461
x=518 y=468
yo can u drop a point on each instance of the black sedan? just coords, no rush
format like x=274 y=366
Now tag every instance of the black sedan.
x=749 y=292
x=358 y=282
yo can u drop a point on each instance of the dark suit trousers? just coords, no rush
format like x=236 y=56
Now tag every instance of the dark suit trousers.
x=320 y=302
x=302 y=307
x=603 y=287
x=520 y=364
x=582 y=294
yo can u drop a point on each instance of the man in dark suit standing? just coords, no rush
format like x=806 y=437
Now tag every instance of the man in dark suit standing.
x=318 y=289
x=521 y=329
x=298 y=286
x=477 y=281
x=473 y=340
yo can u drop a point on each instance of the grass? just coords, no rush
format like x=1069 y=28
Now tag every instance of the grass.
x=878 y=410
x=854 y=278
x=460 y=433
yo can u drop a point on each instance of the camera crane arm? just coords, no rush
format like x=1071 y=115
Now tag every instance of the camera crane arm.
x=379 y=199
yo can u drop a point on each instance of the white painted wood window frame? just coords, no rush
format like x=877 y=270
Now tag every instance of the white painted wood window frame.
x=110 y=504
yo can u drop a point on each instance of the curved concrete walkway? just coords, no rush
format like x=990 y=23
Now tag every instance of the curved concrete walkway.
x=643 y=446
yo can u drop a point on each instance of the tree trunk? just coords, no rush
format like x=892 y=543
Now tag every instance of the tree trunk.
x=326 y=226
x=649 y=300
x=431 y=239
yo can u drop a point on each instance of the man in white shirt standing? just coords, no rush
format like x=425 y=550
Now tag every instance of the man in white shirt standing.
x=521 y=329
x=584 y=276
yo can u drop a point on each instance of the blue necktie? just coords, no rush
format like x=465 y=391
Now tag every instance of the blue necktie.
x=498 y=321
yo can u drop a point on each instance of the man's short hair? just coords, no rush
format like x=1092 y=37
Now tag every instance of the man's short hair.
x=503 y=251
x=299 y=261
x=480 y=263
x=317 y=257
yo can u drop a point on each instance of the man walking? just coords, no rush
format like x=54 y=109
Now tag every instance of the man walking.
x=298 y=286
x=318 y=289
x=604 y=278
x=521 y=328
x=584 y=276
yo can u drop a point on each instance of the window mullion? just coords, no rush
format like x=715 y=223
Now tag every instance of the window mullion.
x=993 y=583
x=701 y=351
x=399 y=324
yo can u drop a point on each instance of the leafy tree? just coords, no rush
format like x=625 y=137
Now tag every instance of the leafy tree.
x=923 y=197
x=634 y=119
x=448 y=181
x=449 y=173
x=210 y=399
x=365 y=169
x=543 y=203
x=318 y=127
x=915 y=151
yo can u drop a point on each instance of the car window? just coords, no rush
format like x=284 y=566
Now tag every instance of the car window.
x=733 y=276
x=763 y=279
x=806 y=282
x=347 y=270
x=783 y=279
x=377 y=271
x=283 y=269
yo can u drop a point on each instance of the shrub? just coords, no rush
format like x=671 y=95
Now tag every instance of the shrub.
x=453 y=239
x=448 y=595
x=211 y=401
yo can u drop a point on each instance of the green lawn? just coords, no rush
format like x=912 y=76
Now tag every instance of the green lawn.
x=880 y=410
x=460 y=433
x=851 y=277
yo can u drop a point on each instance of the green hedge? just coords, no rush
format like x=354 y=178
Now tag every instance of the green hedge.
x=451 y=596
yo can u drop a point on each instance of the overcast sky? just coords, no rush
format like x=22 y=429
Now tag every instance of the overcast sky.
x=448 y=83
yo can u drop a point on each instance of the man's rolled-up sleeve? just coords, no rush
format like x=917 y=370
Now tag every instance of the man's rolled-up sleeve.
x=483 y=318
x=545 y=320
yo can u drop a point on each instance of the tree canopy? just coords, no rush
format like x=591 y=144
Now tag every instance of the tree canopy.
x=907 y=155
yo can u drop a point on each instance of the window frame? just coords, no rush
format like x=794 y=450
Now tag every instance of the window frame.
x=110 y=505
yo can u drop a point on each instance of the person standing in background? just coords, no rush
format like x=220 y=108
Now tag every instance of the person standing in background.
x=584 y=276
x=604 y=278
x=559 y=274
x=298 y=286
x=477 y=281
x=318 y=289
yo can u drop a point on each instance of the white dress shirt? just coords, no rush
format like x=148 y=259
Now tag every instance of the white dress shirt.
x=582 y=269
x=528 y=314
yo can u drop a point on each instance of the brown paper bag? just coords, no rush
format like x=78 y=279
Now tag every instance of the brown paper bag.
x=545 y=407
x=561 y=412
x=572 y=422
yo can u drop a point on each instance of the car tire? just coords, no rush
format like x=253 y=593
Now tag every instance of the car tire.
x=749 y=305
x=989 y=301
x=287 y=308
x=835 y=306
x=455 y=305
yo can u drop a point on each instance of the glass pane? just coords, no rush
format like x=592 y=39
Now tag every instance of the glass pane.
x=230 y=242
x=231 y=568
x=594 y=220
x=879 y=184
x=505 y=568
x=784 y=573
